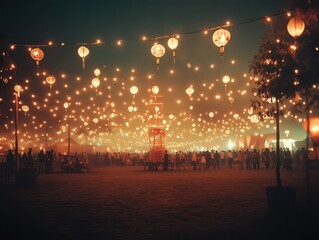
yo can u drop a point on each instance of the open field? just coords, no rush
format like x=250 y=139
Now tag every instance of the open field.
x=129 y=203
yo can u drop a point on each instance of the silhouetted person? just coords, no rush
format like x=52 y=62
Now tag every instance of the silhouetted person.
x=10 y=162
x=41 y=157
x=166 y=160
x=30 y=158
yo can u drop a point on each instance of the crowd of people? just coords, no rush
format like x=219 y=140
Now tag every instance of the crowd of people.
x=49 y=161
x=245 y=159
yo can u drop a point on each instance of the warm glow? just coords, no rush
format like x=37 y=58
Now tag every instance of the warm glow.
x=295 y=27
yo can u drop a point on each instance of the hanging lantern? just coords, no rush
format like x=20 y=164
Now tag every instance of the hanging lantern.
x=231 y=100
x=254 y=118
x=158 y=51
x=313 y=127
x=155 y=89
x=236 y=116
x=133 y=90
x=66 y=105
x=295 y=27
x=211 y=114
x=250 y=110
x=220 y=39
x=18 y=89
x=95 y=82
x=50 y=80
x=25 y=108
x=83 y=52
x=171 y=116
x=95 y=120
x=130 y=108
x=97 y=72
x=172 y=44
x=190 y=90
x=226 y=80
x=37 y=54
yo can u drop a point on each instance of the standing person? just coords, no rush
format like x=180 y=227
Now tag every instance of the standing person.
x=212 y=157
x=288 y=159
x=183 y=160
x=194 y=160
x=255 y=158
x=240 y=156
x=222 y=158
x=166 y=160
x=208 y=159
x=203 y=161
x=266 y=157
x=24 y=160
x=10 y=162
x=30 y=160
x=230 y=159
x=41 y=158
x=216 y=159
x=50 y=158
x=248 y=158
x=178 y=161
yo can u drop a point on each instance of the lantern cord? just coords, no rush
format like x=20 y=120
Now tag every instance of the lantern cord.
x=216 y=27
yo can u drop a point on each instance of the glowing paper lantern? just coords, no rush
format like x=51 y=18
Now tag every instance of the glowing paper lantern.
x=211 y=114
x=158 y=51
x=220 y=39
x=231 y=100
x=37 y=54
x=226 y=80
x=295 y=27
x=250 y=111
x=133 y=90
x=95 y=120
x=171 y=116
x=172 y=44
x=155 y=89
x=50 y=80
x=18 y=89
x=25 y=108
x=130 y=109
x=66 y=105
x=97 y=72
x=83 y=52
x=190 y=90
x=95 y=82
x=236 y=116
x=313 y=127
x=254 y=118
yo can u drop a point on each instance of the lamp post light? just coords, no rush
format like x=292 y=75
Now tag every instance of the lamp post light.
x=66 y=105
x=287 y=133
x=18 y=89
x=313 y=126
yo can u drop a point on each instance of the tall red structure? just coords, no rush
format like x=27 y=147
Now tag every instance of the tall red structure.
x=156 y=130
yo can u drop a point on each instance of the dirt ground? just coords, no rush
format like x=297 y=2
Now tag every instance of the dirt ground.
x=129 y=203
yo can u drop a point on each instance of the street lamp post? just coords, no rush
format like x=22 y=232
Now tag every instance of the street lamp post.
x=18 y=89
x=66 y=105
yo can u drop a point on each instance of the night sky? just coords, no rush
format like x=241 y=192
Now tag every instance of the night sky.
x=198 y=63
